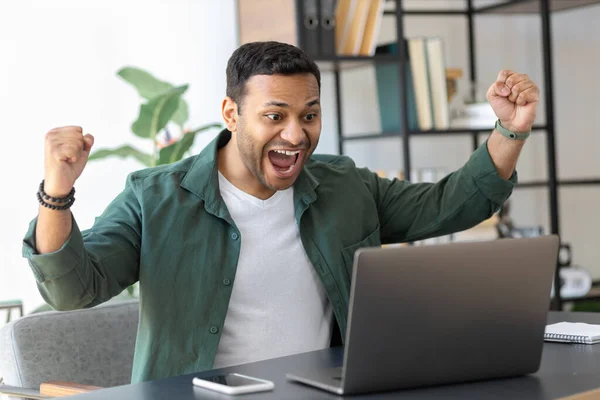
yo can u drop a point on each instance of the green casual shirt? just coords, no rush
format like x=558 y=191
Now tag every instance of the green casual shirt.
x=170 y=230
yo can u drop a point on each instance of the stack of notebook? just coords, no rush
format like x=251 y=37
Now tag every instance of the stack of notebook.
x=573 y=332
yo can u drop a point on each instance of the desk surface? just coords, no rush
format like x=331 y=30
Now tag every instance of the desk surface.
x=566 y=369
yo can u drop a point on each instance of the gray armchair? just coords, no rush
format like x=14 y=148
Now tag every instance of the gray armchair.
x=89 y=347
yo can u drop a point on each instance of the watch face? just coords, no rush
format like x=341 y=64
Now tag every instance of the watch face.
x=564 y=255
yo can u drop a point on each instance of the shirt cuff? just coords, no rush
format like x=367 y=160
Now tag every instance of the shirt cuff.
x=486 y=177
x=50 y=266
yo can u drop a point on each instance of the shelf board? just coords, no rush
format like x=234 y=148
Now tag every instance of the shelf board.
x=503 y=7
x=593 y=294
x=371 y=59
x=333 y=63
x=453 y=131
x=579 y=182
x=533 y=6
x=369 y=136
x=532 y=184
x=560 y=182
x=428 y=12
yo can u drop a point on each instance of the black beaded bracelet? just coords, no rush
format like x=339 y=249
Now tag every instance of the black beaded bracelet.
x=45 y=196
x=64 y=203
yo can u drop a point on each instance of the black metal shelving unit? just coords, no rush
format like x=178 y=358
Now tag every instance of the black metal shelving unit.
x=544 y=8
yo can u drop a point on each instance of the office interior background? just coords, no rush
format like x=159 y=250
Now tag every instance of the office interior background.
x=58 y=65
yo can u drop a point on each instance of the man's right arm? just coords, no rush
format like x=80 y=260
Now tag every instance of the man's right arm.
x=74 y=269
x=94 y=265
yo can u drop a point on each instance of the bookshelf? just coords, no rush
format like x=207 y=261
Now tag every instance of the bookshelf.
x=544 y=8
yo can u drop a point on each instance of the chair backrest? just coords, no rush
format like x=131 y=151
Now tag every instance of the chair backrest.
x=91 y=346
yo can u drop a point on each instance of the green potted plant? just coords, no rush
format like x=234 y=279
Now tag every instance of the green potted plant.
x=164 y=104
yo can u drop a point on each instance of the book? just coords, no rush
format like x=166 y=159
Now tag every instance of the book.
x=389 y=90
x=327 y=27
x=344 y=14
x=372 y=28
x=355 y=29
x=308 y=29
x=436 y=64
x=573 y=332
x=421 y=81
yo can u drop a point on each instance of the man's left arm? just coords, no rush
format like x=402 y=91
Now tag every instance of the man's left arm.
x=468 y=196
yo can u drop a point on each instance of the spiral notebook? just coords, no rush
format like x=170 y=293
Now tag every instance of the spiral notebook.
x=573 y=332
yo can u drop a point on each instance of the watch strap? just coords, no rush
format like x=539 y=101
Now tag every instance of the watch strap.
x=510 y=134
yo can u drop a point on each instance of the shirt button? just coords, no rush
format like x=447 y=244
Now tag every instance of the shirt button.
x=214 y=329
x=226 y=282
x=234 y=236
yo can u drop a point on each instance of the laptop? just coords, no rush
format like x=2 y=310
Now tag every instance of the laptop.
x=441 y=314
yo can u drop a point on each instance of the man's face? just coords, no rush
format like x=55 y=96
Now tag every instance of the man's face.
x=278 y=127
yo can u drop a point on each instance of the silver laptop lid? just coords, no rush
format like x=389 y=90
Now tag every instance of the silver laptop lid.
x=447 y=313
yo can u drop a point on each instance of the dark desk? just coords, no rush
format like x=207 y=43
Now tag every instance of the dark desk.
x=566 y=369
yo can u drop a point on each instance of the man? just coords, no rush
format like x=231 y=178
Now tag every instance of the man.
x=244 y=252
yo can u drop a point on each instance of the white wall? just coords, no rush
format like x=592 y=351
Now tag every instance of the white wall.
x=58 y=61
x=512 y=42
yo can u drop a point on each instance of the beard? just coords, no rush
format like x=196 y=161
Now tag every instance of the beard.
x=251 y=158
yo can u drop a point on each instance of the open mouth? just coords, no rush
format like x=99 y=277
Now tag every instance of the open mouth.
x=284 y=162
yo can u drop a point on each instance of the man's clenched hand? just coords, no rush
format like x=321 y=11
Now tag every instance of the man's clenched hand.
x=66 y=154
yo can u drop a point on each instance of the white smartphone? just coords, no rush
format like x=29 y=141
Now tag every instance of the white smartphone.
x=234 y=384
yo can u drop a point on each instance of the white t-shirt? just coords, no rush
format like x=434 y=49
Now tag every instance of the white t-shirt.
x=278 y=304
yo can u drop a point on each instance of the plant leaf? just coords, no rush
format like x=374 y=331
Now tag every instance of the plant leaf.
x=156 y=113
x=177 y=150
x=123 y=152
x=146 y=84
x=181 y=115
x=149 y=87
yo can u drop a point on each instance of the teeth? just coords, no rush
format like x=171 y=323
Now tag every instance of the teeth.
x=287 y=153
x=290 y=168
